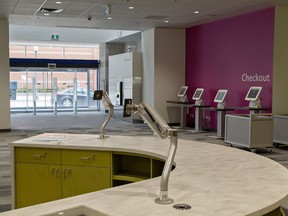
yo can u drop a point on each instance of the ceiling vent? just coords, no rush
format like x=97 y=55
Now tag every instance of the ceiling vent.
x=155 y=17
x=50 y=10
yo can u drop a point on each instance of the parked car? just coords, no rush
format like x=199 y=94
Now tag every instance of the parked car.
x=65 y=97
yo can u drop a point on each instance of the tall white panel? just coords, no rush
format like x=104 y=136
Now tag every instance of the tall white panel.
x=4 y=76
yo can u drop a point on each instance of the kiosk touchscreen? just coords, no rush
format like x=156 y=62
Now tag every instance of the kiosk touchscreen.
x=197 y=96
x=182 y=93
x=253 y=97
x=220 y=98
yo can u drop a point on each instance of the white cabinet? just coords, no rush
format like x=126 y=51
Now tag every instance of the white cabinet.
x=125 y=79
x=250 y=131
x=280 y=129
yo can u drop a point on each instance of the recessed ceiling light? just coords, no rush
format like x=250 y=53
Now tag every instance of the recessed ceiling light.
x=166 y=21
x=109 y=18
x=58 y=2
x=131 y=7
x=196 y=12
x=46 y=14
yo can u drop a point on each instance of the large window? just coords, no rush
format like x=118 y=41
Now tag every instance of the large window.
x=54 y=52
x=42 y=87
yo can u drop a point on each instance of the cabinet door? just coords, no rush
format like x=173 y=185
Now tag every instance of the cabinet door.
x=36 y=183
x=86 y=158
x=83 y=179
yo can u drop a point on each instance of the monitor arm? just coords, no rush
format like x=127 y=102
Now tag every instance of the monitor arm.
x=160 y=128
x=103 y=96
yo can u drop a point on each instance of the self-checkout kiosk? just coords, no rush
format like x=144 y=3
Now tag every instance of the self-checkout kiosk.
x=253 y=97
x=197 y=96
x=220 y=98
x=182 y=93
x=183 y=103
x=199 y=103
x=221 y=111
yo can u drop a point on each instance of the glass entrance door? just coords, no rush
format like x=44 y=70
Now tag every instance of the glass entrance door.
x=21 y=85
x=43 y=89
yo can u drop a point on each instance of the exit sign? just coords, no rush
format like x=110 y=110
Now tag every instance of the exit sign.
x=55 y=37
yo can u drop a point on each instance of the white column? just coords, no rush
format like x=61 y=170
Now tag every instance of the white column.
x=163 y=69
x=280 y=75
x=4 y=76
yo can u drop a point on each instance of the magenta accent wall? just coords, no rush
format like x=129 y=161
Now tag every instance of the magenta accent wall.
x=219 y=53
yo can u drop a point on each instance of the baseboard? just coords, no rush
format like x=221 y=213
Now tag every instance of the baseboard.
x=5 y=130
x=174 y=124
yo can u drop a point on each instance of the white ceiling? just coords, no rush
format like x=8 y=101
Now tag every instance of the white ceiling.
x=146 y=13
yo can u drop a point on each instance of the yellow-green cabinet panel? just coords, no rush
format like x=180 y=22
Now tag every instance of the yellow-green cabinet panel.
x=37 y=155
x=36 y=183
x=85 y=171
x=86 y=158
x=83 y=179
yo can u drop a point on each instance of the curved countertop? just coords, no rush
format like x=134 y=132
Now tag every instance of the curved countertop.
x=213 y=179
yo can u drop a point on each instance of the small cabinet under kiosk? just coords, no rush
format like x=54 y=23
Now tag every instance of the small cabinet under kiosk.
x=280 y=129
x=249 y=130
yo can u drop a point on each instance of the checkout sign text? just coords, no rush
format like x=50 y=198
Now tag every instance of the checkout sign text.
x=255 y=78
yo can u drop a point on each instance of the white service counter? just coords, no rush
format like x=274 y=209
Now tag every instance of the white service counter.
x=213 y=179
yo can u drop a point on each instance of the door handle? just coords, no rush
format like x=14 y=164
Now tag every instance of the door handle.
x=88 y=158
x=66 y=172
x=39 y=156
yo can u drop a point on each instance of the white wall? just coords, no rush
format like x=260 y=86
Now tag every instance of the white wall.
x=120 y=70
x=126 y=68
x=24 y=34
x=4 y=77
x=169 y=70
x=163 y=69
x=148 y=43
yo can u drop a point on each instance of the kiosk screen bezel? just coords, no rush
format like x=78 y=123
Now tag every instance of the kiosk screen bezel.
x=182 y=91
x=253 y=93
x=198 y=94
x=220 y=96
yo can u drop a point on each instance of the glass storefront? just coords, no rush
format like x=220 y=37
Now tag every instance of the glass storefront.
x=42 y=89
x=38 y=88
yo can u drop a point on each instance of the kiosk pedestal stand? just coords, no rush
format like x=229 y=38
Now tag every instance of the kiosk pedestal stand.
x=198 y=114
x=199 y=102
x=221 y=112
x=182 y=103
x=183 y=109
x=255 y=106
x=253 y=98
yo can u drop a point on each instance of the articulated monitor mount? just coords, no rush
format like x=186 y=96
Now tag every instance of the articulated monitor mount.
x=161 y=129
x=103 y=96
